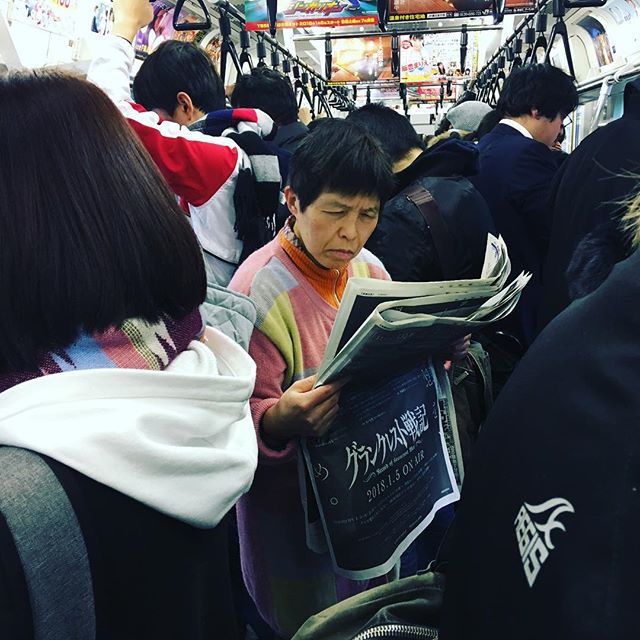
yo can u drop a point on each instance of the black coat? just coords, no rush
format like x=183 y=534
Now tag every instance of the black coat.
x=589 y=190
x=564 y=428
x=154 y=577
x=515 y=177
x=402 y=239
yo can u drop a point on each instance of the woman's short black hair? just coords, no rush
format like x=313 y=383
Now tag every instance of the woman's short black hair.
x=268 y=90
x=540 y=86
x=339 y=156
x=393 y=130
x=174 y=67
x=90 y=234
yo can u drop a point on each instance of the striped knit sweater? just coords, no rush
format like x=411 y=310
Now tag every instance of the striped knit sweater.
x=297 y=304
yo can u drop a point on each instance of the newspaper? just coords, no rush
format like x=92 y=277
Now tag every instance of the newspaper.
x=392 y=457
x=381 y=473
x=383 y=326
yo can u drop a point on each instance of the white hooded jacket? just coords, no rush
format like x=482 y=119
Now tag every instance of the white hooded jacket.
x=180 y=440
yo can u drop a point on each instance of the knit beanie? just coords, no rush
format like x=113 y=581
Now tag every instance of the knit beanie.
x=468 y=115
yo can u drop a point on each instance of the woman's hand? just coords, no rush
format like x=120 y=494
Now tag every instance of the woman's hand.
x=303 y=410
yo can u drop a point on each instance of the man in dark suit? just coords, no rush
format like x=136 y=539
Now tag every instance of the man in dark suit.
x=517 y=167
x=588 y=196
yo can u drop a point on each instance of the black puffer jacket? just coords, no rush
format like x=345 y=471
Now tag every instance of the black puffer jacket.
x=402 y=239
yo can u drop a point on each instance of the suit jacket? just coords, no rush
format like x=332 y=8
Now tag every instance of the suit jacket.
x=514 y=178
x=590 y=189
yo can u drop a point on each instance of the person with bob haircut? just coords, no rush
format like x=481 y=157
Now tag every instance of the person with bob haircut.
x=338 y=180
x=106 y=371
x=517 y=168
x=271 y=91
x=214 y=159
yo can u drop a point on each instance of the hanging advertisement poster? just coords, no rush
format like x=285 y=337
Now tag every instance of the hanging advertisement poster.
x=361 y=60
x=435 y=58
x=57 y=16
x=311 y=13
x=407 y=10
x=161 y=29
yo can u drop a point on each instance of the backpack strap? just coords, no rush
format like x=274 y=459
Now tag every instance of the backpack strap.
x=443 y=241
x=51 y=547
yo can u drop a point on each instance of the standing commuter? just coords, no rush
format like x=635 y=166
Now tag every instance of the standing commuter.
x=270 y=91
x=339 y=177
x=231 y=195
x=106 y=370
x=516 y=170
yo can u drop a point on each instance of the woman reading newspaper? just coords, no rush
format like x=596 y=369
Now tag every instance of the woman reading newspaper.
x=338 y=180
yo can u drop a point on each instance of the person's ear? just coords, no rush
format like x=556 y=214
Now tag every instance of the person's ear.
x=293 y=203
x=535 y=114
x=185 y=108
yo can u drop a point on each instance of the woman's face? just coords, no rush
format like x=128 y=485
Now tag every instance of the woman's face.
x=334 y=227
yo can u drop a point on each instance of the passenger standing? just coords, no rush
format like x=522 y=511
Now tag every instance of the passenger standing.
x=339 y=178
x=106 y=369
x=589 y=194
x=212 y=174
x=270 y=91
x=402 y=239
x=516 y=170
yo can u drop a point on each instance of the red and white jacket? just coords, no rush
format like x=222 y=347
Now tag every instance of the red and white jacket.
x=200 y=169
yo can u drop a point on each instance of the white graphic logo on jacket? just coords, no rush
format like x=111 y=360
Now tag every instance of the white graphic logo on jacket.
x=534 y=539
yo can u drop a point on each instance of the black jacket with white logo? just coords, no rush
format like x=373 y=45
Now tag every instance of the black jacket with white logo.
x=545 y=542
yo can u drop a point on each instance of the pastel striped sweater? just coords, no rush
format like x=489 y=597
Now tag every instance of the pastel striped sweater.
x=293 y=296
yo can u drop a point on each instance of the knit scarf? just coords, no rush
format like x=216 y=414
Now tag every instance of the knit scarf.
x=135 y=344
x=257 y=193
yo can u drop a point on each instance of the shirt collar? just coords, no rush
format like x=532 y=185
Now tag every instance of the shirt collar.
x=517 y=126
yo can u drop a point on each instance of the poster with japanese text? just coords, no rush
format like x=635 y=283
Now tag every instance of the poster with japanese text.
x=435 y=58
x=361 y=60
x=408 y=10
x=382 y=472
x=311 y=13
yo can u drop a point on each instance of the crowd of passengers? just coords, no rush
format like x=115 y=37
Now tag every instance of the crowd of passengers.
x=172 y=269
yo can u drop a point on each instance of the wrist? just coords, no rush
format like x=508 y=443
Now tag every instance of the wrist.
x=126 y=29
x=273 y=428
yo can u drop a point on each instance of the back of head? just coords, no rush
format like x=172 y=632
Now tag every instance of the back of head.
x=390 y=128
x=175 y=67
x=467 y=115
x=490 y=120
x=269 y=91
x=543 y=87
x=340 y=157
x=90 y=234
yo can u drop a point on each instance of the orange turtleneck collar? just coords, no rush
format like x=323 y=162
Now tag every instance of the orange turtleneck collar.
x=329 y=283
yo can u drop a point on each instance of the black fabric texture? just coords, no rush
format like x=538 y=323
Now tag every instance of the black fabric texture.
x=15 y=609
x=592 y=187
x=402 y=239
x=154 y=577
x=565 y=427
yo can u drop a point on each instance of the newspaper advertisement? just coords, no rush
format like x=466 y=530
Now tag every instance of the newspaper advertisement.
x=382 y=472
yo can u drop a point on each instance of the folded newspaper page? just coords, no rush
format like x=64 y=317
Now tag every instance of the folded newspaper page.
x=382 y=472
x=383 y=326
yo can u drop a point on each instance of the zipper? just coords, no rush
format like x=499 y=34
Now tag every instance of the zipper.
x=335 y=287
x=398 y=632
